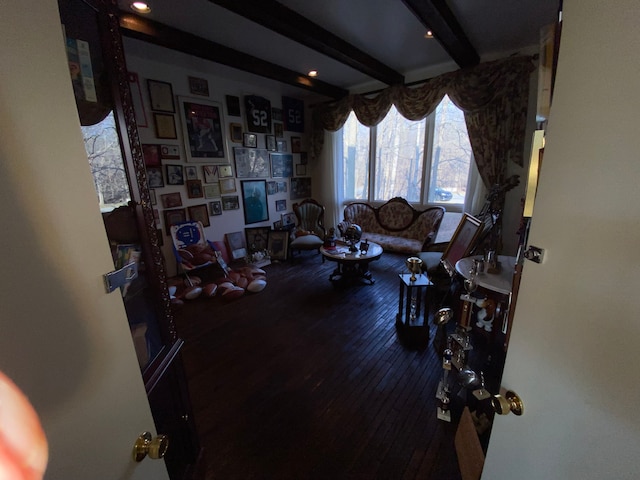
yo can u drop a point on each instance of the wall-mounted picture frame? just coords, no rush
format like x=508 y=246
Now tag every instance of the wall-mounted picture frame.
x=173 y=217
x=276 y=114
x=198 y=86
x=278 y=244
x=278 y=130
x=152 y=196
x=161 y=96
x=210 y=173
x=165 y=124
x=250 y=140
x=272 y=188
x=191 y=172
x=300 y=188
x=237 y=244
x=171 y=200
x=282 y=187
x=257 y=238
x=175 y=175
x=281 y=205
x=233 y=105
x=170 y=152
x=304 y=158
x=215 y=208
x=251 y=162
x=202 y=122
x=225 y=171
x=136 y=97
x=194 y=189
x=154 y=177
x=254 y=196
x=277 y=225
x=212 y=190
x=301 y=170
x=235 y=132
x=228 y=185
x=270 y=142
x=296 y=144
x=288 y=219
x=199 y=213
x=151 y=155
x=231 y=202
x=281 y=165
x=281 y=145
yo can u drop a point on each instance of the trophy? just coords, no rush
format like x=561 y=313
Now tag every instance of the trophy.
x=414 y=264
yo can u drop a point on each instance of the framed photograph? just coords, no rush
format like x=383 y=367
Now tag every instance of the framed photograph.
x=278 y=244
x=272 y=188
x=228 y=185
x=172 y=217
x=282 y=187
x=303 y=158
x=154 y=177
x=161 y=96
x=251 y=162
x=165 y=125
x=281 y=205
x=152 y=197
x=237 y=244
x=136 y=97
x=215 y=208
x=288 y=219
x=301 y=170
x=171 y=200
x=225 y=171
x=462 y=241
x=156 y=217
x=210 y=173
x=257 y=238
x=230 y=203
x=293 y=114
x=199 y=213
x=191 y=172
x=254 y=196
x=277 y=225
x=281 y=165
x=235 y=132
x=281 y=145
x=212 y=191
x=295 y=144
x=233 y=105
x=199 y=86
x=151 y=155
x=202 y=122
x=278 y=130
x=276 y=114
x=170 y=152
x=300 y=188
x=194 y=189
x=258 y=114
x=250 y=140
x=175 y=175
x=270 y=142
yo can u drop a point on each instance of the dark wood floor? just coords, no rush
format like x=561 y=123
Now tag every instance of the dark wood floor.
x=308 y=381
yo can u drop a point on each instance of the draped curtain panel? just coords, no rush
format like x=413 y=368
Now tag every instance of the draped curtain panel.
x=493 y=95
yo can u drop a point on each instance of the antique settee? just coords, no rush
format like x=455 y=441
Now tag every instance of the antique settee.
x=395 y=225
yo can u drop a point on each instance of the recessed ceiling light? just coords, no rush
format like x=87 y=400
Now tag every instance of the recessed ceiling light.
x=429 y=34
x=313 y=73
x=141 y=7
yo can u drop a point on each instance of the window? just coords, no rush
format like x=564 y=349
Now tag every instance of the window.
x=423 y=161
x=105 y=159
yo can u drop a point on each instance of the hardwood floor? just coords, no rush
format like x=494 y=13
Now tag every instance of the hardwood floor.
x=308 y=381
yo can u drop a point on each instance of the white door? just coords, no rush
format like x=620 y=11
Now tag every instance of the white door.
x=63 y=339
x=574 y=351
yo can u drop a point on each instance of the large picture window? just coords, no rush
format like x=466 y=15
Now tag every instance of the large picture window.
x=425 y=162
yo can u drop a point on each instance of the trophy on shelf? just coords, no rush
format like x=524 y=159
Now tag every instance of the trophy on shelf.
x=414 y=264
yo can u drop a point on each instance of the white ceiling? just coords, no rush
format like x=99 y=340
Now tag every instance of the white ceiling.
x=385 y=29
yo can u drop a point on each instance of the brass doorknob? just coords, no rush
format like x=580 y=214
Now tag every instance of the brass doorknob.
x=147 y=445
x=511 y=402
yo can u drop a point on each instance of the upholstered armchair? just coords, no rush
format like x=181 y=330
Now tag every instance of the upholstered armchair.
x=309 y=231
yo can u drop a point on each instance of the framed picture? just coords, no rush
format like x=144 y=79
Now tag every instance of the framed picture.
x=194 y=189
x=171 y=200
x=293 y=114
x=210 y=173
x=215 y=208
x=230 y=203
x=151 y=155
x=281 y=165
x=277 y=225
x=212 y=191
x=288 y=219
x=258 y=114
x=281 y=145
x=282 y=187
x=175 y=175
x=251 y=162
x=228 y=185
x=281 y=205
x=295 y=144
x=171 y=217
x=233 y=105
x=278 y=130
x=257 y=238
x=199 y=86
x=301 y=170
x=276 y=114
x=254 y=196
x=152 y=196
x=136 y=97
x=154 y=177
x=462 y=241
x=300 y=187
x=250 y=140
x=170 y=152
x=225 y=171
x=237 y=243
x=198 y=213
x=303 y=158
x=235 y=132
x=278 y=244
x=272 y=188
x=191 y=172
x=165 y=125
x=202 y=122
x=270 y=142
x=161 y=96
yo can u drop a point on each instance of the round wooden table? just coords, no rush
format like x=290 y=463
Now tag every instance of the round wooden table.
x=352 y=266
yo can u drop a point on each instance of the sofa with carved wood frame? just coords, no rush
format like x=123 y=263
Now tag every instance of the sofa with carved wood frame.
x=395 y=225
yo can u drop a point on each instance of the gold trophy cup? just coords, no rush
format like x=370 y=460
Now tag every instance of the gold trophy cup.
x=414 y=264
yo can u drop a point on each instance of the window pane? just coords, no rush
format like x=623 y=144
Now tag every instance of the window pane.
x=355 y=159
x=399 y=157
x=451 y=156
x=105 y=158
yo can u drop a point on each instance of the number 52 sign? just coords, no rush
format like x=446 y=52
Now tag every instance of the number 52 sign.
x=293 y=113
x=258 y=114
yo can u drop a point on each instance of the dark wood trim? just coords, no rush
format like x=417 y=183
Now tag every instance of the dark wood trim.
x=157 y=33
x=294 y=26
x=437 y=17
x=158 y=366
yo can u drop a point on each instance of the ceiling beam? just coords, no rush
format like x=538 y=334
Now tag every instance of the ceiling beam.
x=286 y=22
x=436 y=16
x=134 y=26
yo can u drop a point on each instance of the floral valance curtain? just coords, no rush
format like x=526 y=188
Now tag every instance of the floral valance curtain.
x=493 y=95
